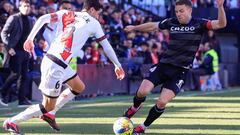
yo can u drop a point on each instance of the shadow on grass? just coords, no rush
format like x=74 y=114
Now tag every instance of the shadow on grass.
x=205 y=101
x=117 y=111
x=106 y=129
x=202 y=118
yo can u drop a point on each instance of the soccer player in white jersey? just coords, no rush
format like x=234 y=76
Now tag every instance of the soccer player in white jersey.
x=77 y=28
x=51 y=30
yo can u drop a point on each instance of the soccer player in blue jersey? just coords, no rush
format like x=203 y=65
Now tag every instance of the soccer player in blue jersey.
x=185 y=35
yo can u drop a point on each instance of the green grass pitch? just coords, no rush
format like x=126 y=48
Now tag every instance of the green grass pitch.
x=190 y=113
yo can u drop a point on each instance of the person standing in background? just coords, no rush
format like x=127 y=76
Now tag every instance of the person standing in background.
x=208 y=68
x=13 y=35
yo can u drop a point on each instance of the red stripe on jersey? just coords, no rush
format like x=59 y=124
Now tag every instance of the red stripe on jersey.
x=67 y=37
x=101 y=38
x=209 y=25
x=68 y=18
x=54 y=18
x=65 y=54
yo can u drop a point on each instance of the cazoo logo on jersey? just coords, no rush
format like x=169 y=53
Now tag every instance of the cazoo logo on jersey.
x=183 y=29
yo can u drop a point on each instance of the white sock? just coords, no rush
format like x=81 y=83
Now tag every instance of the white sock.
x=31 y=112
x=64 y=97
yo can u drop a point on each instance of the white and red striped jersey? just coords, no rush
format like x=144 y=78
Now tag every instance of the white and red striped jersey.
x=76 y=27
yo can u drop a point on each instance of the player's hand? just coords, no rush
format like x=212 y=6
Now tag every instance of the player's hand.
x=28 y=46
x=220 y=3
x=45 y=45
x=119 y=73
x=129 y=28
x=11 y=52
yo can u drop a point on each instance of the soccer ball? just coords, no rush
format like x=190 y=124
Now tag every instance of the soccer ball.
x=123 y=126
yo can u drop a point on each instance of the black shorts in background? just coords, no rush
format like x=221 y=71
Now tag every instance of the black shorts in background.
x=172 y=77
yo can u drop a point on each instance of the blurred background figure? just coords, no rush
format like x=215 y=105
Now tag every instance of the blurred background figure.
x=6 y=9
x=14 y=33
x=212 y=39
x=207 y=70
x=145 y=53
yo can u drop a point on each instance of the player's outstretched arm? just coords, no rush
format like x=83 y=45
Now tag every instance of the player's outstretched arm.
x=146 y=27
x=99 y=34
x=222 y=21
x=38 y=25
x=112 y=56
x=28 y=45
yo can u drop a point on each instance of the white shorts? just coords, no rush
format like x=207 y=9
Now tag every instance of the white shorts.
x=52 y=77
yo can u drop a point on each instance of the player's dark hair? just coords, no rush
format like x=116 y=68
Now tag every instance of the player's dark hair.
x=92 y=3
x=24 y=1
x=62 y=4
x=65 y=1
x=184 y=2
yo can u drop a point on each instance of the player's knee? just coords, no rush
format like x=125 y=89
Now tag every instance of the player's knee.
x=142 y=93
x=80 y=88
x=83 y=87
x=161 y=103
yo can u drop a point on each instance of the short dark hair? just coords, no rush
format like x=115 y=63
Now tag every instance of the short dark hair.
x=65 y=1
x=184 y=2
x=24 y=1
x=92 y=3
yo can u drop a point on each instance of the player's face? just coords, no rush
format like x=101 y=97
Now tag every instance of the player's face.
x=25 y=8
x=183 y=13
x=67 y=6
x=95 y=13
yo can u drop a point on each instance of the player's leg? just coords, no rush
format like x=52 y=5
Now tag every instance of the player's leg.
x=76 y=86
x=31 y=112
x=51 y=84
x=49 y=105
x=170 y=89
x=145 y=88
x=157 y=110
